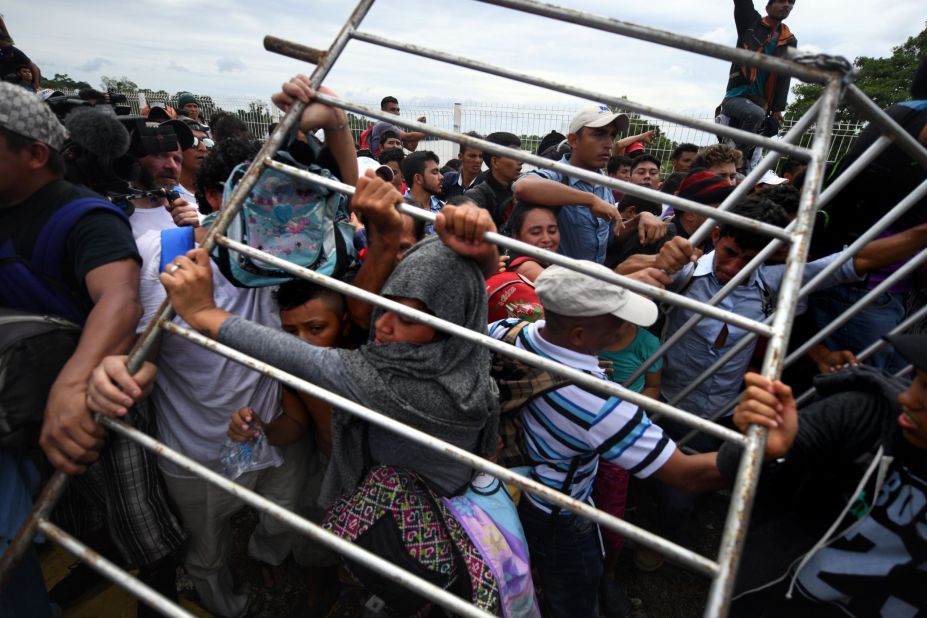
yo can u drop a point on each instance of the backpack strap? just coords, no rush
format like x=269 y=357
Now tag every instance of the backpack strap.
x=37 y=284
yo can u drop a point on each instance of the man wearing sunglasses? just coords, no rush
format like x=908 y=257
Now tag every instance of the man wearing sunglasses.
x=195 y=143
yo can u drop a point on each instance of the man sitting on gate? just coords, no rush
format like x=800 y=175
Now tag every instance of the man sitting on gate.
x=754 y=92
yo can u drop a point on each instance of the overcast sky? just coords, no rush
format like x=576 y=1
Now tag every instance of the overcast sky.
x=215 y=46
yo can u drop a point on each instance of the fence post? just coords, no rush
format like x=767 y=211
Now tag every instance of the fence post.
x=457 y=113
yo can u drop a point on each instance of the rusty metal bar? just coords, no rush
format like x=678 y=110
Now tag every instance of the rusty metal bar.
x=311 y=530
x=293 y=50
x=569 y=170
x=606 y=387
x=110 y=571
x=670 y=39
x=738 y=515
x=555 y=258
x=712 y=128
x=42 y=509
x=676 y=552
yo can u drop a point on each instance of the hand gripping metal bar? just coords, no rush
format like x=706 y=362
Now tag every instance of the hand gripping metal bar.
x=569 y=170
x=605 y=387
x=676 y=552
x=555 y=258
x=911 y=320
x=738 y=515
x=861 y=163
x=890 y=217
x=58 y=483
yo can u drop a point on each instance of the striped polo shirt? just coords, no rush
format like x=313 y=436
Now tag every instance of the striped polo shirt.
x=572 y=422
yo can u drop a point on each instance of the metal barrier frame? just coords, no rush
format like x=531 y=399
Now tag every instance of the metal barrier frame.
x=833 y=73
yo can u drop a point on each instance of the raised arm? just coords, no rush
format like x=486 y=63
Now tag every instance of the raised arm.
x=886 y=251
x=545 y=192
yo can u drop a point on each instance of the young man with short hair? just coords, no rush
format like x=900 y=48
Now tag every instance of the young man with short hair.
x=682 y=157
x=586 y=211
x=422 y=173
x=409 y=139
x=495 y=193
x=469 y=174
x=393 y=158
x=189 y=106
x=720 y=159
x=645 y=171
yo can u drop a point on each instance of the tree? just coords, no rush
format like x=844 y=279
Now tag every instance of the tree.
x=886 y=80
x=62 y=81
x=118 y=84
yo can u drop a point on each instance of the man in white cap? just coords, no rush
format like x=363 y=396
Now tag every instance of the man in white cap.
x=586 y=212
x=69 y=252
x=567 y=430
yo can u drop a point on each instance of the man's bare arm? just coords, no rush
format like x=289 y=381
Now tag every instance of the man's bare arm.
x=70 y=437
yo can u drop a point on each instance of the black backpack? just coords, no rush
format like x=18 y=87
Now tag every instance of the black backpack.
x=33 y=349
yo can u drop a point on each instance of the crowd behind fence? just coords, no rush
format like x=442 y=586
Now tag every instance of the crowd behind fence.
x=530 y=122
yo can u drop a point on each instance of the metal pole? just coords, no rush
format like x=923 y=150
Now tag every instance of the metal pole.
x=875 y=347
x=583 y=266
x=890 y=217
x=457 y=112
x=861 y=162
x=670 y=39
x=891 y=128
x=570 y=170
x=313 y=531
x=599 y=385
x=858 y=306
x=709 y=127
x=751 y=462
x=110 y=571
x=42 y=509
x=249 y=180
x=676 y=552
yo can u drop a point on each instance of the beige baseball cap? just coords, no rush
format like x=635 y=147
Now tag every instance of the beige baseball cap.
x=574 y=294
x=597 y=115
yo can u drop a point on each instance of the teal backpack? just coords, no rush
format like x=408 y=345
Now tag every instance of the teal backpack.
x=290 y=218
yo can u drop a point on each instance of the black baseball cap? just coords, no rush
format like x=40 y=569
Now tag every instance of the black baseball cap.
x=913 y=348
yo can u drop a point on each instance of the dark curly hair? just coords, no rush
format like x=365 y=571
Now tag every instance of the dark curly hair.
x=216 y=168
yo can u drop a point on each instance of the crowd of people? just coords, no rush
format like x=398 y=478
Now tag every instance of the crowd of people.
x=842 y=505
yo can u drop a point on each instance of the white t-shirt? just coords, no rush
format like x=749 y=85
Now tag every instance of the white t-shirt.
x=150 y=219
x=196 y=390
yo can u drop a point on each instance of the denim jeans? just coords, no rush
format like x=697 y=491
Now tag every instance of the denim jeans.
x=567 y=553
x=749 y=116
x=865 y=328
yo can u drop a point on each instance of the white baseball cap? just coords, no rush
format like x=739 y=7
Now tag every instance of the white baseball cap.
x=574 y=294
x=597 y=115
x=366 y=163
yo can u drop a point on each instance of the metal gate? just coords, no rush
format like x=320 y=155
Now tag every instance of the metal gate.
x=836 y=76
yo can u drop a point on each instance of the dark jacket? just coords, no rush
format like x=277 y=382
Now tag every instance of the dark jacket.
x=848 y=439
x=494 y=197
x=753 y=32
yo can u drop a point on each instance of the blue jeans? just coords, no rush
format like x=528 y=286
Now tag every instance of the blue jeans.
x=567 y=553
x=865 y=328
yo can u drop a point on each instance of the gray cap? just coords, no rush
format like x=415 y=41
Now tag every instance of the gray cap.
x=24 y=113
x=574 y=294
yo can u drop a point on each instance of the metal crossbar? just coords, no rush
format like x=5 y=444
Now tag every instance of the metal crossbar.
x=721 y=570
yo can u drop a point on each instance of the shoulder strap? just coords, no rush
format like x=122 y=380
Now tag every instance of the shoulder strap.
x=51 y=241
x=511 y=336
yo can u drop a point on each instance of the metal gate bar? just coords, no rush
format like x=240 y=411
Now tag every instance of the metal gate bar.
x=779 y=330
x=890 y=217
x=793 y=150
x=684 y=556
x=751 y=462
x=908 y=322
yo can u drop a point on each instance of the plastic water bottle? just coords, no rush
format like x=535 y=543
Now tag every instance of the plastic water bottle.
x=239 y=457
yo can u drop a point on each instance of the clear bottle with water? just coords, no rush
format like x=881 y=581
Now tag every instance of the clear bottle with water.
x=240 y=457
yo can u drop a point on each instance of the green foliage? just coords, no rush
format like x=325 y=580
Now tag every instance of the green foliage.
x=62 y=81
x=886 y=80
x=118 y=84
